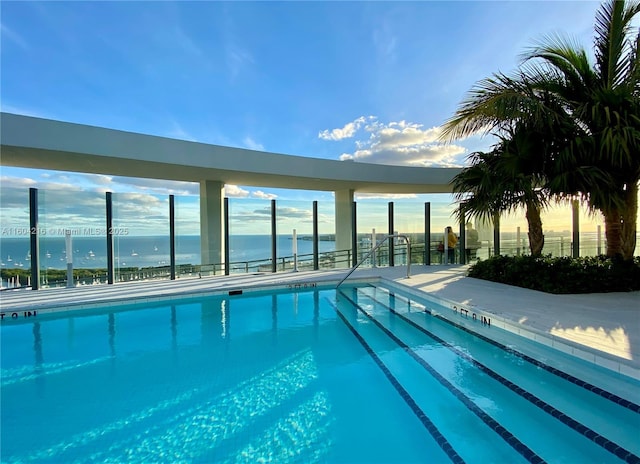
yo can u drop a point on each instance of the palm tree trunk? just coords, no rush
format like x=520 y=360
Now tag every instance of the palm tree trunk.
x=629 y=223
x=613 y=231
x=536 y=235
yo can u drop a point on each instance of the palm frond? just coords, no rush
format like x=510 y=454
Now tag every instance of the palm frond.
x=612 y=44
x=561 y=66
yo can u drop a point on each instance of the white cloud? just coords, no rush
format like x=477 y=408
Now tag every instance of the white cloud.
x=158 y=186
x=385 y=196
x=233 y=191
x=23 y=183
x=399 y=143
x=263 y=195
x=403 y=133
x=345 y=132
x=294 y=213
x=17 y=182
x=100 y=179
x=261 y=215
x=252 y=144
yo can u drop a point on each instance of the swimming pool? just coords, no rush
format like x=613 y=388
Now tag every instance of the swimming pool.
x=363 y=374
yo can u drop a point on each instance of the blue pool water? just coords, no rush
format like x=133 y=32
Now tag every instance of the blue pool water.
x=363 y=374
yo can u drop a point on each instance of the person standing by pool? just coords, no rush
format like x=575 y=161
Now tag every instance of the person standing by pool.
x=452 y=241
x=472 y=245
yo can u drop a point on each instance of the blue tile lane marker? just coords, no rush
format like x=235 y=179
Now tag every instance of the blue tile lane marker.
x=610 y=446
x=430 y=426
x=625 y=403
x=507 y=436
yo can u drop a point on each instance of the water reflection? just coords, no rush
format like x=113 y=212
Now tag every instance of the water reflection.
x=112 y=334
x=274 y=319
x=39 y=359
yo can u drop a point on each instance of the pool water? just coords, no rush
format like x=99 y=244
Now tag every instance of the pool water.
x=362 y=374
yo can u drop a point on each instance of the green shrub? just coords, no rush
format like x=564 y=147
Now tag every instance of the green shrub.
x=592 y=274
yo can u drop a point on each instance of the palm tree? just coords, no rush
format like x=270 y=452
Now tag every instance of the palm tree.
x=589 y=114
x=601 y=163
x=521 y=163
x=502 y=181
x=477 y=190
x=528 y=131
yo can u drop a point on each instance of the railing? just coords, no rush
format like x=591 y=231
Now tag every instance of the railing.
x=374 y=248
x=326 y=260
x=412 y=253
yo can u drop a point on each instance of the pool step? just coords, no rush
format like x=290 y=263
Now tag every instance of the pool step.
x=466 y=432
x=593 y=412
x=502 y=406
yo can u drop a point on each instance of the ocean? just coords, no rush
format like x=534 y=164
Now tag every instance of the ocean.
x=148 y=251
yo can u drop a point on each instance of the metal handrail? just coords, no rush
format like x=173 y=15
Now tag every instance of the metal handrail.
x=378 y=245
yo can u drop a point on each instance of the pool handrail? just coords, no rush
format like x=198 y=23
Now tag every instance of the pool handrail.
x=374 y=248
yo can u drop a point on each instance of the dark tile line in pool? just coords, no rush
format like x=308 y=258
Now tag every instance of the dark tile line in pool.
x=564 y=375
x=456 y=309
x=505 y=434
x=592 y=435
x=595 y=437
x=424 y=419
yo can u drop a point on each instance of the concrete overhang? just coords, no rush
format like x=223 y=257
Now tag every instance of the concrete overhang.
x=47 y=144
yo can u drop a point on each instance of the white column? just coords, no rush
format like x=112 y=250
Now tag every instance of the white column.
x=343 y=211
x=211 y=221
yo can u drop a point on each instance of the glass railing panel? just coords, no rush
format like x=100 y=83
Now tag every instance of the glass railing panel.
x=15 y=244
x=442 y=216
x=140 y=236
x=294 y=215
x=514 y=234
x=592 y=238
x=249 y=235
x=187 y=235
x=81 y=213
x=485 y=238
x=372 y=213
x=329 y=257
x=557 y=223
x=408 y=219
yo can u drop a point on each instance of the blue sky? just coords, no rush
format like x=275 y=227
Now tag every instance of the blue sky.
x=370 y=81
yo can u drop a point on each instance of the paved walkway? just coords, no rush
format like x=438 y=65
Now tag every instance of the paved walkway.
x=607 y=324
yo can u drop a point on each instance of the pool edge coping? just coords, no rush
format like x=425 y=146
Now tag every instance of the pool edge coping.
x=577 y=350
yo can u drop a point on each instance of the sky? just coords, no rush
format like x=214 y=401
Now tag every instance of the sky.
x=364 y=81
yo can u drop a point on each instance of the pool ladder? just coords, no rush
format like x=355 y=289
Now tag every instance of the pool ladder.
x=378 y=245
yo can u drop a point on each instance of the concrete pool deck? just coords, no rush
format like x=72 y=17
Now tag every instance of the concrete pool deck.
x=602 y=326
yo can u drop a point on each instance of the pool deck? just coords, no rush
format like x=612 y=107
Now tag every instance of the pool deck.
x=601 y=326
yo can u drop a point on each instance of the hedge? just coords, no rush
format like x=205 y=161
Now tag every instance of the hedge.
x=561 y=275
